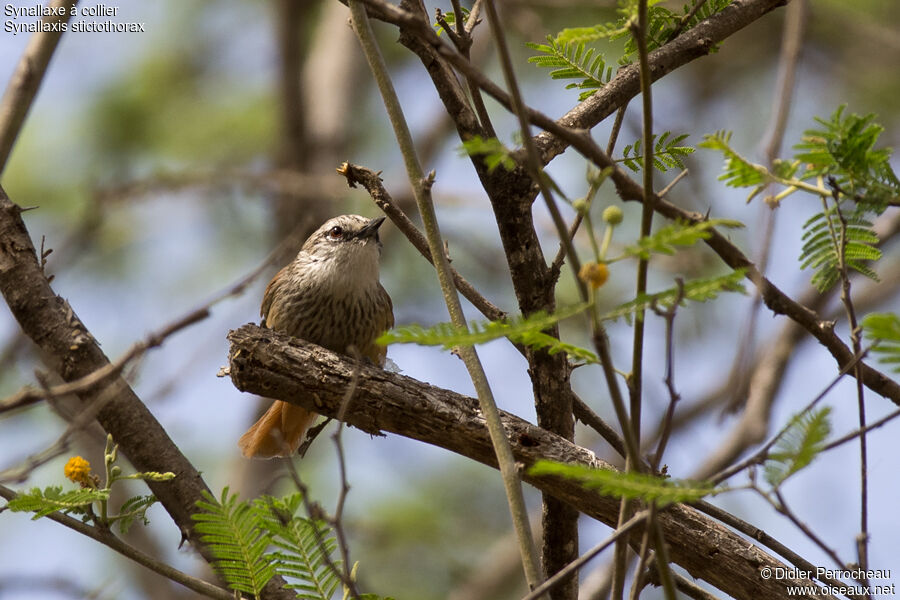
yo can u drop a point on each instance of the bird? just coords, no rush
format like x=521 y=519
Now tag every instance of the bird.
x=330 y=295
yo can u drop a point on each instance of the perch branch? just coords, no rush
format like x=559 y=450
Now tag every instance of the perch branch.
x=278 y=366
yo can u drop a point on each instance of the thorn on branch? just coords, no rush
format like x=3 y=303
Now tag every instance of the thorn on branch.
x=44 y=255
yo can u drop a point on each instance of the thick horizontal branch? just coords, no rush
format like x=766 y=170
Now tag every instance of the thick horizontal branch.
x=267 y=363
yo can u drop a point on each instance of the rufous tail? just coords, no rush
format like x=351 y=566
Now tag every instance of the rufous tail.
x=278 y=432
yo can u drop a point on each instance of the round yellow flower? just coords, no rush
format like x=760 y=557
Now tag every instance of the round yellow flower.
x=78 y=470
x=594 y=274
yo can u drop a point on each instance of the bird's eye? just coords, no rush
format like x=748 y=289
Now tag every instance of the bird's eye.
x=336 y=232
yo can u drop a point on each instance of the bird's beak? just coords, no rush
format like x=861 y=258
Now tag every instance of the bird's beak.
x=370 y=229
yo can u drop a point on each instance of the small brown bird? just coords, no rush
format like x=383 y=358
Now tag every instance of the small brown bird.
x=329 y=295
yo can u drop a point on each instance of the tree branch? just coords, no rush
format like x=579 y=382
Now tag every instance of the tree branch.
x=73 y=353
x=105 y=537
x=278 y=366
x=24 y=84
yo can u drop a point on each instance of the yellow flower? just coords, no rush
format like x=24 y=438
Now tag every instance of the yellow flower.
x=594 y=274
x=78 y=470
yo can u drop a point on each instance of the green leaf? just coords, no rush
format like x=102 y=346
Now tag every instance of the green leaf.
x=648 y=488
x=698 y=290
x=450 y=19
x=676 y=234
x=822 y=246
x=844 y=148
x=738 y=171
x=494 y=152
x=524 y=330
x=134 y=508
x=53 y=499
x=883 y=329
x=662 y=22
x=667 y=153
x=234 y=534
x=305 y=547
x=800 y=444
x=573 y=60
x=542 y=341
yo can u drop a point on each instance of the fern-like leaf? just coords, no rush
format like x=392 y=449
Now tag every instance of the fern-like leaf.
x=233 y=532
x=539 y=340
x=573 y=60
x=134 y=508
x=300 y=556
x=667 y=153
x=524 y=330
x=662 y=22
x=799 y=445
x=648 y=488
x=698 y=290
x=844 y=147
x=52 y=499
x=675 y=234
x=884 y=331
x=822 y=246
x=738 y=171
x=587 y=35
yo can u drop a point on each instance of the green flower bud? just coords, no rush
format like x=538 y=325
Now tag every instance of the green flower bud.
x=581 y=206
x=613 y=215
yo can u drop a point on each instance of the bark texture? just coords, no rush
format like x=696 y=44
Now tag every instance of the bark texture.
x=264 y=362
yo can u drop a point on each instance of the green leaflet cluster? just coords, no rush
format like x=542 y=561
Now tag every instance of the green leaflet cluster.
x=853 y=181
x=253 y=541
x=572 y=58
x=883 y=330
x=91 y=501
x=667 y=153
x=632 y=485
x=798 y=446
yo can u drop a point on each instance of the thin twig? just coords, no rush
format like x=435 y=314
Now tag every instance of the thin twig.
x=791 y=44
x=29 y=395
x=662 y=559
x=84 y=418
x=858 y=432
x=762 y=537
x=105 y=537
x=462 y=39
x=781 y=506
x=584 y=558
x=25 y=81
x=576 y=223
x=663 y=192
x=635 y=378
x=629 y=190
x=421 y=188
x=685 y=20
x=856 y=341
x=669 y=316
x=762 y=454
x=315 y=512
x=637 y=584
x=338 y=520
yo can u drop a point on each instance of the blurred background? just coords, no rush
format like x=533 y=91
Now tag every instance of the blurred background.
x=166 y=165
